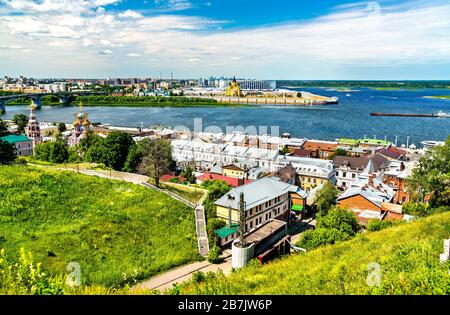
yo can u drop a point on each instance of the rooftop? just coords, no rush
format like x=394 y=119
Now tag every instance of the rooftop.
x=15 y=138
x=258 y=192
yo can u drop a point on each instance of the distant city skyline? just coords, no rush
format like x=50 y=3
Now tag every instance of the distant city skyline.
x=290 y=40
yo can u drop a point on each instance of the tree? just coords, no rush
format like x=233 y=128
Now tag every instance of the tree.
x=338 y=225
x=189 y=175
x=53 y=151
x=285 y=150
x=62 y=127
x=21 y=121
x=341 y=220
x=339 y=152
x=326 y=198
x=7 y=152
x=111 y=151
x=134 y=157
x=157 y=159
x=216 y=189
x=432 y=176
x=214 y=254
x=3 y=129
x=88 y=141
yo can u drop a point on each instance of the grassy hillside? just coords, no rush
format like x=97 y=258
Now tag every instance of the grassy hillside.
x=116 y=231
x=407 y=254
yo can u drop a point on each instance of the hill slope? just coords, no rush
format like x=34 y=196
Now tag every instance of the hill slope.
x=116 y=231
x=408 y=256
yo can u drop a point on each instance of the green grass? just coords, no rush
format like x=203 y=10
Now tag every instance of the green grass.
x=118 y=232
x=189 y=193
x=408 y=256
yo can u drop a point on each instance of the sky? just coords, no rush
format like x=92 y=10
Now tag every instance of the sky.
x=260 y=39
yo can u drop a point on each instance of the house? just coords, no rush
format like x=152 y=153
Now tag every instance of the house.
x=348 y=168
x=232 y=181
x=320 y=149
x=310 y=172
x=302 y=153
x=392 y=153
x=234 y=171
x=396 y=177
x=286 y=174
x=23 y=144
x=264 y=200
x=370 y=198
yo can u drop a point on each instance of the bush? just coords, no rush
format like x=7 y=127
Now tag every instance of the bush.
x=314 y=238
x=214 y=255
x=339 y=219
x=416 y=209
x=26 y=277
x=377 y=225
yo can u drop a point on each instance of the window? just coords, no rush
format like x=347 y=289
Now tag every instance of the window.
x=251 y=224
x=353 y=175
x=344 y=174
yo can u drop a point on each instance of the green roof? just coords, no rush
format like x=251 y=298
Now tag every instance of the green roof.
x=297 y=207
x=16 y=138
x=227 y=230
x=374 y=141
x=348 y=141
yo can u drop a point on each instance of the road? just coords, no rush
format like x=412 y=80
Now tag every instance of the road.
x=168 y=279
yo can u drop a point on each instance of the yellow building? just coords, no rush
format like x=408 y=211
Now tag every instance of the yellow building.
x=233 y=89
x=308 y=182
x=233 y=171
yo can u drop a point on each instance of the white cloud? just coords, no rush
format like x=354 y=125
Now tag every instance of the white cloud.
x=130 y=14
x=134 y=55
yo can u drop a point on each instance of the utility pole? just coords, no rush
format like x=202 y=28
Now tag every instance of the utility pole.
x=396 y=140
x=242 y=220
x=407 y=141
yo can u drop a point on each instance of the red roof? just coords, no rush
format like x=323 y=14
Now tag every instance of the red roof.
x=167 y=177
x=233 y=182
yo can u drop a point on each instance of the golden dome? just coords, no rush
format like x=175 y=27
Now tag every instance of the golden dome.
x=86 y=122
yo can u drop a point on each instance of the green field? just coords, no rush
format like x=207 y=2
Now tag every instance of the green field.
x=408 y=257
x=118 y=232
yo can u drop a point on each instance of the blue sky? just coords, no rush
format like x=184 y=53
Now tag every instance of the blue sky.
x=284 y=39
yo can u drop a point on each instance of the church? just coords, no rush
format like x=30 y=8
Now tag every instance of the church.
x=81 y=126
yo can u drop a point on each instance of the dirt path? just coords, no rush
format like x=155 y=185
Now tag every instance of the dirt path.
x=168 y=279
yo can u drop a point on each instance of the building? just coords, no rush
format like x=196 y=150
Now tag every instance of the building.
x=396 y=177
x=264 y=200
x=320 y=149
x=370 y=198
x=373 y=143
x=81 y=126
x=257 y=85
x=233 y=89
x=231 y=181
x=348 y=168
x=23 y=144
x=234 y=171
x=392 y=153
x=33 y=129
x=310 y=172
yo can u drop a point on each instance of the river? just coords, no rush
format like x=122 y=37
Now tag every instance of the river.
x=350 y=118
